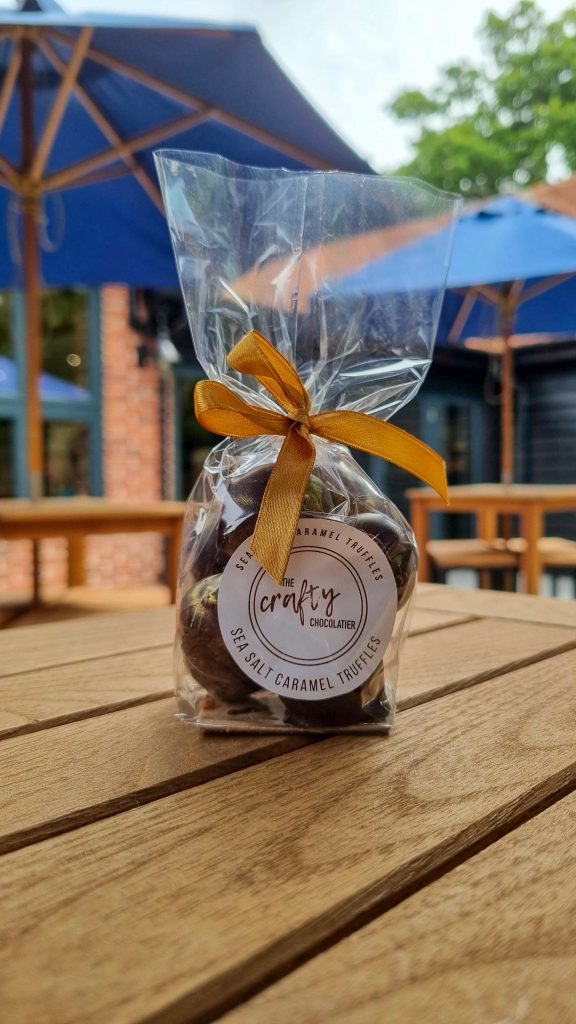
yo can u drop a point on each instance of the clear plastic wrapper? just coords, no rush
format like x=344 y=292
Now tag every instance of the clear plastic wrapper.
x=269 y=250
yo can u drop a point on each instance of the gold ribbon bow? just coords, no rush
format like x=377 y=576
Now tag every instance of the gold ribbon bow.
x=222 y=411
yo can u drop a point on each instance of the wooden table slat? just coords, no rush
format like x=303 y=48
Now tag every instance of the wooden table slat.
x=152 y=753
x=38 y=647
x=171 y=910
x=468 y=653
x=493 y=940
x=64 y=693
x=497 y=604
x=426 y=619
x=98 y=683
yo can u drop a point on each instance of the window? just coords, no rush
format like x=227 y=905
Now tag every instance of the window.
x=65 y=459
x=5 y=322
x=65 y=335
x=70 y=394
x=195 y=443
x=456 y=425
x=6 y=449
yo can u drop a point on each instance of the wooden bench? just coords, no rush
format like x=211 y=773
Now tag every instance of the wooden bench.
x=485 y=557
x=557 y=555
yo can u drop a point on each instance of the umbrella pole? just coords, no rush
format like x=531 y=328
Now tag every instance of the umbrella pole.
x=31 y=265
x=507 y=414
x=33 y=350
x=507 y=443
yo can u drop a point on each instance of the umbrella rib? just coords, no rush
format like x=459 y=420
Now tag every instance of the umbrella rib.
x=490 y=293
x=182 y=96
x=106 y=127
x=107 y=174
x=462 y=315
x=107 y=156
x=57 y=112
x=10 y=77
x=9 y=173
x=543 y=286
x=143 y=77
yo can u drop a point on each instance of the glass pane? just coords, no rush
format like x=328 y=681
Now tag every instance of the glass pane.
x=65 y=332
x=65 y=459
x=456 y=439
x=5 y=332
x=196 y=442
x=6 y=467
x=456 y=443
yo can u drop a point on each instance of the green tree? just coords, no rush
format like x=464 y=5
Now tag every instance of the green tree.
x=504 y=122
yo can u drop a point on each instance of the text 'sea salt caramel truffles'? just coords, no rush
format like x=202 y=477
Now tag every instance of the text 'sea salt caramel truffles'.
x=297 y=573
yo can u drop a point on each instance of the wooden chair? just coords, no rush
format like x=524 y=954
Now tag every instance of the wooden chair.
x=485 y=557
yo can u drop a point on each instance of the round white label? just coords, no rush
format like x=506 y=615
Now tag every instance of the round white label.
x=324 y=631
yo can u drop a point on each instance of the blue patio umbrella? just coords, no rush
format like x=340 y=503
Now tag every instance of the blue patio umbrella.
x=84 y=100
x=512 y=272
x=52 y=389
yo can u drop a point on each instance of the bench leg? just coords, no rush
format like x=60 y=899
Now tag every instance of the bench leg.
x=36 y=573
x=76 y=561
x=485 y=579
x=173 y=559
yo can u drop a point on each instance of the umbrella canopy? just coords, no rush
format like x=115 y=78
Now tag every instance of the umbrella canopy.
x=84 y=100
x=51 y=388
x=512 y=272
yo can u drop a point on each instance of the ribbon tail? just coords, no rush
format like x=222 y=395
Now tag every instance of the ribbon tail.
x=384 y=439
x=282 y=501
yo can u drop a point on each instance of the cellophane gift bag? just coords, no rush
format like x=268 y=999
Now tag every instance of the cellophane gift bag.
x=334 y=272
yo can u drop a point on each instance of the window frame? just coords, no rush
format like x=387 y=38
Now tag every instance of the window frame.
x=88 y=411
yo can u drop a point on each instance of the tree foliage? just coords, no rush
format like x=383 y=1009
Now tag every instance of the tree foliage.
x=507 y=121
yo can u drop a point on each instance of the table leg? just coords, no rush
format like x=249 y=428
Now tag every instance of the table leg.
x=173 y=559
x=419 y=523
x=486 y=524
x=531 y=562
x=486 y=529
x=36 y=573
x=76 y=561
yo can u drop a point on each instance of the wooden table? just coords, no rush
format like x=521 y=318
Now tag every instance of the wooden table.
x=77 y=518
x=487 y=501
x=153 y=873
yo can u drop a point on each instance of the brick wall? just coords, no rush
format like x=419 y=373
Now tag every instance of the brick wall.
x=130 y=448
x=131 y=442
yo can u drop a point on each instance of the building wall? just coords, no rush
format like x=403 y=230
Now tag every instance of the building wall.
x=132 y=467
x=547 y=388
x=130 y=448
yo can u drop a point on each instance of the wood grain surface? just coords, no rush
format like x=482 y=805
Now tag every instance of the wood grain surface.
x=471 y=652
x=177 y=910
x=425 y=619
x=39 y=647
x=552 y=610
x=37 y=699
x=152 y=753
x=92 y=683
x=493 y=940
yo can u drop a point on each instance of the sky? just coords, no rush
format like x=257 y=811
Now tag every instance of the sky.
x=349 y=57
